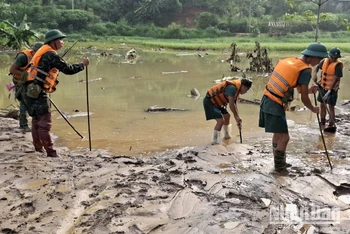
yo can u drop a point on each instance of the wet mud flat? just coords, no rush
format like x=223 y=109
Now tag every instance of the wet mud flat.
x=227 y=188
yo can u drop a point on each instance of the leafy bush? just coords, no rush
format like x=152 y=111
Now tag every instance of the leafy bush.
x=75 y=19
x=235 y=25
x=174 y=31
x=123 y=28
x=99 y=28
x=148 y=30
x=207 y=19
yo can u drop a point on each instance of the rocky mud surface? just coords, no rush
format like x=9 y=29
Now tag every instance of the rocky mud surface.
x=227 y=188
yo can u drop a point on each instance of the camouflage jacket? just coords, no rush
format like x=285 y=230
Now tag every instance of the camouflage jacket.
x=51 y=60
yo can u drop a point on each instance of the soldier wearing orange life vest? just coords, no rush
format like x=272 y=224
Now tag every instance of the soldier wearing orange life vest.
x=215 y=105
x=22 y=61
x=332 y=71
x=42 y=79
x=289 y=73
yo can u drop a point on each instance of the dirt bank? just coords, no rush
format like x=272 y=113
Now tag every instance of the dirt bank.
x=226 y=188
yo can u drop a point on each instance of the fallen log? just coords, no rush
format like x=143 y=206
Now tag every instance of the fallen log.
x=255 y=101
x=163 y=109
x=11 y=114
x=174 y=72
x=97 y=79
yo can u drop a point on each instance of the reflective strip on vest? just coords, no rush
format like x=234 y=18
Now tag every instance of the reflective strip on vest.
x=284 y=77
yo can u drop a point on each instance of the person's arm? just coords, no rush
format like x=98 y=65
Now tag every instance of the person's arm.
x=14 y=70
x=304 y=80
x=19 y=62
x=335 y=82
x=315 y=71
x=306 y=100
x=50 y=60
x=234 y=109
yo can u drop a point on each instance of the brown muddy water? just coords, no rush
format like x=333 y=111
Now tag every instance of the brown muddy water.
x=120 y=92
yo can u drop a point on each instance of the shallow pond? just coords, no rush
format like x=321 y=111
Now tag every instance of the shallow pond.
x=120 y=92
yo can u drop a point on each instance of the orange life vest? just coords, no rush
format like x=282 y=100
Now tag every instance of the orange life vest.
x=50 y=81
x=216 y=93
x=284 y=77
x=328 y=74
x=28 y=54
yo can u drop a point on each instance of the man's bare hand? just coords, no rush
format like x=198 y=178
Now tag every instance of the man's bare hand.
x=315 y=109
x=86 y=61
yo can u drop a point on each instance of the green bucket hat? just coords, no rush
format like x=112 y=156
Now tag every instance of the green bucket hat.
x=334 y=53
x=37 y=46
x=316 y=49
x=53 y=35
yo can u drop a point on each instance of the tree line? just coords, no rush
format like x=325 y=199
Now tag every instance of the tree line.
x=172 y=18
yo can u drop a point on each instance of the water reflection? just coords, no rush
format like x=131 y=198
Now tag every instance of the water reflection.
x=120 y=92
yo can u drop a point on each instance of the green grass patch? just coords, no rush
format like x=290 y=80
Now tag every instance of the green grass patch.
x=217 y=44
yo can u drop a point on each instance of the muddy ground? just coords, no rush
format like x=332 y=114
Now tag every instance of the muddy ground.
x=227 y=188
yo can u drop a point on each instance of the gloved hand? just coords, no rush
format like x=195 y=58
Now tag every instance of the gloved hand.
x=326 y=95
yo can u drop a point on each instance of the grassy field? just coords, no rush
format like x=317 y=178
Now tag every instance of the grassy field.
x=219 y=44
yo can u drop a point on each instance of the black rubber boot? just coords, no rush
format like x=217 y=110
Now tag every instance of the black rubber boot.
x=280 y=162
x=23 y=122
x=274 y=145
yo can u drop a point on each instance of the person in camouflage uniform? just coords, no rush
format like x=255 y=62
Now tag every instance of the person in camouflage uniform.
x=21 y=62
x=42 y=79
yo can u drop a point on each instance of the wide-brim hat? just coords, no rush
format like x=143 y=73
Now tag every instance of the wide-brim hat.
x=53 y=35
x=37 y=46
x=334 y=53
x=316 y=49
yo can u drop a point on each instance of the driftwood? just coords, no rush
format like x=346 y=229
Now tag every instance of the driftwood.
x=163 y=109
x=97 y=79
x=174 y=72
x=11 y=114
x=229 y=78
x=255 y=101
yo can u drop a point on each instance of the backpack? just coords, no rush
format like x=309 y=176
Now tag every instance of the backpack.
x=21 y=85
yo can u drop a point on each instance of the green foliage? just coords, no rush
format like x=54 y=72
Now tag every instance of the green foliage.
x=98 y=29
x=235 y=25
x=207 y=19
x=71 y=20
x=155 y=11
x=48 y=17
x=5 y=10
x=166 y=18
x=174 y=31
x=123 y=28
x=16 y=36
x=149 y=30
